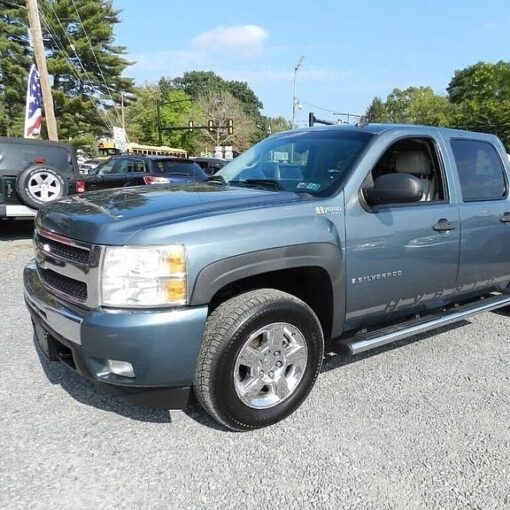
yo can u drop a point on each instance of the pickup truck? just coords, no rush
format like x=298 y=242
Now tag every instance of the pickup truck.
x=347 y=237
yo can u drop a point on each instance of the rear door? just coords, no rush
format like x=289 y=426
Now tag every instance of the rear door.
x=484 y=211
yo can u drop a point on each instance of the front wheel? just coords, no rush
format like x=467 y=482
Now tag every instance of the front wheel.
x=261 y=354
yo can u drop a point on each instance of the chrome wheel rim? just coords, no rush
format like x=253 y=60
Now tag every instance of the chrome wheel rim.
x=44 y=186
x=270 y=365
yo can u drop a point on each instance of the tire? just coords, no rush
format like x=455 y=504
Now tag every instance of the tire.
x=243 y=398
x=40 y=185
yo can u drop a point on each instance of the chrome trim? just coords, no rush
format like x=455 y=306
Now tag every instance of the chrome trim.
x=62 y=321
x=373 y=340
x=48 y=234
x=87 y=273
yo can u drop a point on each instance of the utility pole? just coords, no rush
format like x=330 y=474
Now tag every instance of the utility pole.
x=40 y=59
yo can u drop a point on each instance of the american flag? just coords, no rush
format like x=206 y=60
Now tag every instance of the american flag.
x=33 y=115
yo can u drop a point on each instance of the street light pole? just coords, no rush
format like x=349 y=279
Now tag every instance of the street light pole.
x=296 y=69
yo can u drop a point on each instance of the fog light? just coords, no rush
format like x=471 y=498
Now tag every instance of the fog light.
x=122 y=368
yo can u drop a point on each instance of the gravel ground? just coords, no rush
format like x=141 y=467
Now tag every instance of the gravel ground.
x=424 y=424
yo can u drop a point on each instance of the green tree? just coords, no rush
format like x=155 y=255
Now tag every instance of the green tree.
x=15 y=61
x=377 y=112
x=85 y=64
x=176 y=109
x=481 y=94
x=199 y=83
x=418 y=105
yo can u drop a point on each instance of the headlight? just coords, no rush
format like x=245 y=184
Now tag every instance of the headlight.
x=144 y=276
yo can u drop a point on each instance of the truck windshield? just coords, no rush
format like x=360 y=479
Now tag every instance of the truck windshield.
x=315 y=162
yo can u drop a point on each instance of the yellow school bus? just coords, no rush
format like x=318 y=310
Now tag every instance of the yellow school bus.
x=108 y=148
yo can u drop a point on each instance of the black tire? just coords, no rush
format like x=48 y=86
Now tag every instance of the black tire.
x=227 y=330
x=25 y=179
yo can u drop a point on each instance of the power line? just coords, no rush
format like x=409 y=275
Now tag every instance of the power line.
x=92 y=50
x=318 y=107
x=73 y=47
x=108 y=124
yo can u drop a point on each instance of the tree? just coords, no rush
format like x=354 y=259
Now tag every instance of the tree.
x=414 y=105
x=377 y=112
x=15 y=61
x=219 y=107
x=481 y=93
x=176 y=109
x=480 y=82
x=85 y=64
x=199 y=83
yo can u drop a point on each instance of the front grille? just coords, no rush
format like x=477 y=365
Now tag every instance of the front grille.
x=64 y=284
x=65 y=251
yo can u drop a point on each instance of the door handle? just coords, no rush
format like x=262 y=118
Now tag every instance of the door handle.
x=505 y=217
x=443 y=225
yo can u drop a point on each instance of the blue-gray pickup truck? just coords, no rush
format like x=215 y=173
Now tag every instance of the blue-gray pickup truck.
x=352 y=236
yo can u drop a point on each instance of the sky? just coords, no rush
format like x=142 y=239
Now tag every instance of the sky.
x=353 y=50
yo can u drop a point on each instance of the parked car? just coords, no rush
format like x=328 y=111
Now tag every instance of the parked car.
x=125 y=170
x=327 y=238
x=34 y=173
x=88 y=166
x=210 y=165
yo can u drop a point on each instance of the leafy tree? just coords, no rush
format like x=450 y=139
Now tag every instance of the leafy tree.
x=481 y=94
x=176 y=109
x=480 y=82
x=199 y=83
x=414 y=105
x=85 y=64
x=15 y=61
x=377 y=112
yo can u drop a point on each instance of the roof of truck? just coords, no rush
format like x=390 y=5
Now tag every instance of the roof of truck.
x=381 y=128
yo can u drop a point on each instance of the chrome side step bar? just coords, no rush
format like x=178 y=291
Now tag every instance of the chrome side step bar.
x=373 y=339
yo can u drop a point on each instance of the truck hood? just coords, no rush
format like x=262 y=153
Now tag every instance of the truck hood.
x=112 y=216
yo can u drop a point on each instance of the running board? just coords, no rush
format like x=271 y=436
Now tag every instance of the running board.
x=373 y=339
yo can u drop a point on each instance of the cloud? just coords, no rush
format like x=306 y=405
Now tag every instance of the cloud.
x=239 y=40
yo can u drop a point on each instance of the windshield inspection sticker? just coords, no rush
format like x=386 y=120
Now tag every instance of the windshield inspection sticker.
x=332 y=209
x=312 y=186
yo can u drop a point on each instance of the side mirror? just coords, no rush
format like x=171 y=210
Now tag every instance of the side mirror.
x=395 y=188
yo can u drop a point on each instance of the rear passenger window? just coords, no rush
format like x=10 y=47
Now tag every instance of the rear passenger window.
x=480 y=170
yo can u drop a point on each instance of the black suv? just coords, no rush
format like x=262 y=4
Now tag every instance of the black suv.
x=125 y=170
x=34 y=173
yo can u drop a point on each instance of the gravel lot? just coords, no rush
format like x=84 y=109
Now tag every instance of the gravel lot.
x=423 y=425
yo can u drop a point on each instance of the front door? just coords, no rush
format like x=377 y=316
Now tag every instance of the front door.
x=402 y=259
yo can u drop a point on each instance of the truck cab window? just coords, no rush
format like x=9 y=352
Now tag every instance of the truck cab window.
x=480 y=170
x=414 y=156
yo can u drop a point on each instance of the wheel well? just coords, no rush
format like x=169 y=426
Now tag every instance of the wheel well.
x=310 y=284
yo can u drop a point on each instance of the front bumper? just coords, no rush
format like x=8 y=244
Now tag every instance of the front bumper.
x=161 y=345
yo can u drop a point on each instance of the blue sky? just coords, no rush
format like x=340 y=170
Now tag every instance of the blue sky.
x=354 y=50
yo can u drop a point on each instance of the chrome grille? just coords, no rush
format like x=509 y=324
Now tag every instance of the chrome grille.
x=68 y=268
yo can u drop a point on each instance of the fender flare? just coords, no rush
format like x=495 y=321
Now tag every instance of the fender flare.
x=327 y=256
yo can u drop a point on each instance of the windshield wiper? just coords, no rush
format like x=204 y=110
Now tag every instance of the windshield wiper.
x=263 y=183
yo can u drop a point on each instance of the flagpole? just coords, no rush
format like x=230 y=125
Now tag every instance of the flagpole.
x=40 y=59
